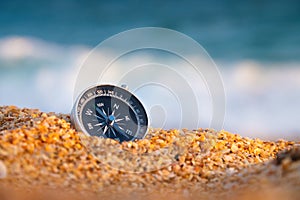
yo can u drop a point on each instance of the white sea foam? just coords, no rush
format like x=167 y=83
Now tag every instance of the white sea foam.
x=263 y=99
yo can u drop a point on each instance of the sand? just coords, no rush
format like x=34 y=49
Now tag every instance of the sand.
x=43 y=157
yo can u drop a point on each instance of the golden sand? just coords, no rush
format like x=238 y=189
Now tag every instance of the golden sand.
x=42 y=156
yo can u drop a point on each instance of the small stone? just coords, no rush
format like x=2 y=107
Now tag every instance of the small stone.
x=234 y=148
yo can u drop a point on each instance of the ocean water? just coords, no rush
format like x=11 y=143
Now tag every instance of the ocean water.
x=255 y=45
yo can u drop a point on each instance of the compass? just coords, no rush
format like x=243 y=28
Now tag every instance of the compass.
x=109 y=111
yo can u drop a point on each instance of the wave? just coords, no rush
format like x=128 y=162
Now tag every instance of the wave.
x=263 y=98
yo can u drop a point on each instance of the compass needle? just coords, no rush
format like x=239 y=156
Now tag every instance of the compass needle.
x=98 y=117
x=120 y=130
x=104 y=112
x=101 y=113
x=114 y=132
x=108 y=132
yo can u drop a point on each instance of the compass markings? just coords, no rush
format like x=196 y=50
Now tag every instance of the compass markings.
x=90 y=126
x=129 y=132
x=116 y=106
x=105 y=129
x=118 y=120
x=101 y=127
x=100 y=104
x=100 y=124
x=89 y=112
x=127 y=118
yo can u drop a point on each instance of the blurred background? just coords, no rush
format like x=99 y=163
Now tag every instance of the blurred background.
x=255 y=44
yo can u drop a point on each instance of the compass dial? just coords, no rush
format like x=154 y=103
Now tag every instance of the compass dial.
x=110 y=112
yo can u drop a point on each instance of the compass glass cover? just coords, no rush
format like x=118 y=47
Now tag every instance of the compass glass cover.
x=112 y=112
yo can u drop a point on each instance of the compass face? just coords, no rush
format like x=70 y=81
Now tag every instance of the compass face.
x=111 y=112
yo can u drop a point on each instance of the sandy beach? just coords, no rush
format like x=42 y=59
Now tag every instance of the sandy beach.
x=43 y=157
x=192 y=68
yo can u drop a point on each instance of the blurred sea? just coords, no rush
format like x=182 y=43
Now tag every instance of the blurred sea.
x=256 y=45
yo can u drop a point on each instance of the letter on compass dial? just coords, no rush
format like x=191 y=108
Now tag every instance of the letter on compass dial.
x=109 y=117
